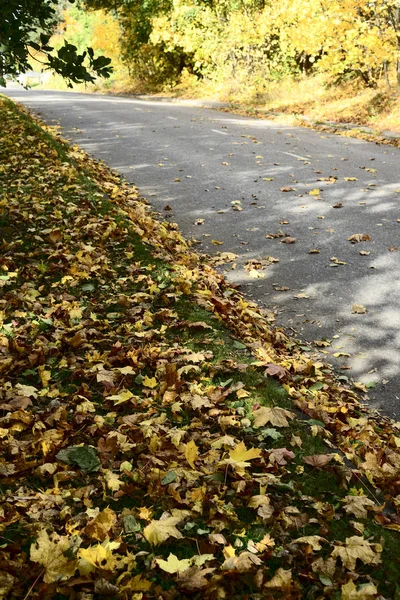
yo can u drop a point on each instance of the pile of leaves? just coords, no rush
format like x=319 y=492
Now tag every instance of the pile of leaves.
x=146 y=451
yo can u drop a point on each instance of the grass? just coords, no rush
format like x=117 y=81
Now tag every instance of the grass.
x=127 y=343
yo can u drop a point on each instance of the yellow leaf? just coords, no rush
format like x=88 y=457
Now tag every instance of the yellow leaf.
x=314 y=192
x=278 y=417
x=266 y=542
x=358 y=506
x=150 y=382
x=173 y=564
x=191 y=453
x=50 y=553
x=229 y=551
x=358 y=309
x=242 y=394
x=100 y=555
x=239 y=456
x=44 y=375
x=216 y=242
x=112 y=480
x=311 y=540
x=101 y=525
x=356 y=548
x=159 y=531
x=365 y=592
x=280 y=580
x=145 y=513
x=136 y=584
x=123 y=396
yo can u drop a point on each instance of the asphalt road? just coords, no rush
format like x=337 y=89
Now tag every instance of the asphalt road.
x=222 y=178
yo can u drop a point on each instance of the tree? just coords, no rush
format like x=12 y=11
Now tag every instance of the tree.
x=26 y=27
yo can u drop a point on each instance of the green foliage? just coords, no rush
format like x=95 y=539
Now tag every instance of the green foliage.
x=25 y=30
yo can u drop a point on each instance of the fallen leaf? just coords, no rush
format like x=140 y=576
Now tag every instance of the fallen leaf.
x=365 y=591
x=358 y=506
x=318 y=460
x=158 y=532
x=356 y=548
x=359 y=237
x=191 y=453
x=280 y=581
x=276 y=371
x=288 y=240
x=173 y=564
x=50 y=553
x=358 y=309
x=311 y=540
x=278 y=417
x=241 y=455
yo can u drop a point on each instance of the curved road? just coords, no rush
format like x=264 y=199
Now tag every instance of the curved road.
x=236 y=180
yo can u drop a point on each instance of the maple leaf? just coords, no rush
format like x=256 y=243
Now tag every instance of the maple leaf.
x=356 y=548
x=358 y=506
x=278 y=417
x=101 y=524
x=318 y=460
x=50 y=553
x=263 y=506
x=100 y=555
x=364 y=592
x=242 y=563
x=157 y=532
x=240 y=455
x=311 y=540
x=150 y=382
x=276 y=371
x=281 y=580
x=194 y=579
x=173 y=564
x=122 y=396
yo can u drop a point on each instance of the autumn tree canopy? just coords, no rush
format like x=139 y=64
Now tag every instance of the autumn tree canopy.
x=26 y=27
x=258 y=39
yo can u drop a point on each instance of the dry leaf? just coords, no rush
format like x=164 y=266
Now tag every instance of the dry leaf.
x=359 y=237
x=173 y=564
x=157 y=532
x=356 y=548
x=191 y=453
x=358 y=309
x=278 y=417
x=318 y=460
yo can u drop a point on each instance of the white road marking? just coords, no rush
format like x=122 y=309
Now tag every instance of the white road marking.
x=221 y=132
x=172 y=118
x=295 y=155
x=139 y=109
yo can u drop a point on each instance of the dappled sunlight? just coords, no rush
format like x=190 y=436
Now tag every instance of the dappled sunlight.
x=253 y=184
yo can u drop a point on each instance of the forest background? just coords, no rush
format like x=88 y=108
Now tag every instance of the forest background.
x=330 y=60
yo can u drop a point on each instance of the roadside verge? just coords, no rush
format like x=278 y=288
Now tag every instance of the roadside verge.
x=161 y=437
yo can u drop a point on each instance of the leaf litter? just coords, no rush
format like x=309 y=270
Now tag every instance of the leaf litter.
x=146 y=453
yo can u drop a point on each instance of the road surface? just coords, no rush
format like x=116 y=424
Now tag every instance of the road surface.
x=255 y=185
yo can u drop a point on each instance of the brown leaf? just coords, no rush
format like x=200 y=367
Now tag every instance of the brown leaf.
x=276 y=371
x=359 y=237
x=288 y=240
x=317 y=460
x=288 y=189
